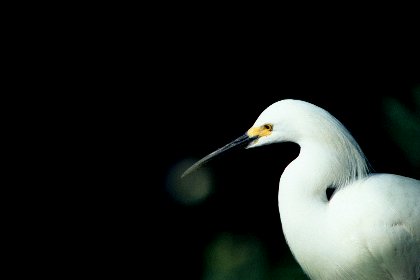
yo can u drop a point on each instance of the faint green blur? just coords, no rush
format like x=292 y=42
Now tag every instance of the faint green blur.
x=404 y=126
x=241 y=257
x=192 y=189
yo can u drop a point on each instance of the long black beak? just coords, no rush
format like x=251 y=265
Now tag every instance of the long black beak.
x=244 y=139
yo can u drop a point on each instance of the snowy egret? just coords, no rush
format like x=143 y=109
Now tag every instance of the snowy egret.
x=370 y=227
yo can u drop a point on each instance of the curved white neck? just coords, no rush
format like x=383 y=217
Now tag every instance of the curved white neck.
x=303 y=202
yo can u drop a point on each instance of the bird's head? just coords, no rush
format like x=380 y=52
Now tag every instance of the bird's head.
x=270 y=127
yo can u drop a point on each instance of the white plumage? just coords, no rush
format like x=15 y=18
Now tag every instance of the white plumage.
x=369 y=229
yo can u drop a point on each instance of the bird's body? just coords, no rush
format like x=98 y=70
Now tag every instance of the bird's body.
x=369 y=229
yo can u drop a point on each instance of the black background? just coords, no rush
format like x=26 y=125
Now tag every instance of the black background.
x=222 y=107
x=188 y=86
x=209 y=94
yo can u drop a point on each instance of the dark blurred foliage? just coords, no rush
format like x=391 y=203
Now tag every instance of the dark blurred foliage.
x=210 y=84
x=211 y=89
x=243 y=201
x=183 y=85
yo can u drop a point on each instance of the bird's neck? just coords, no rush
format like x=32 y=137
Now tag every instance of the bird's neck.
x=302 y=198
x=303 y=203
x=306 y=178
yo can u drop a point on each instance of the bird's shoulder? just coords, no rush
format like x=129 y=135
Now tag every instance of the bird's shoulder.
x=378 y=190
x=380 y=200
x=378 y=217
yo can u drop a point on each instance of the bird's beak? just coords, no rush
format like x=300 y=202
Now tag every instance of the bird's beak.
x=244 y=139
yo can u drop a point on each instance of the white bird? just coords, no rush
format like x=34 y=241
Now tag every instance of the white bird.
x=370 y=227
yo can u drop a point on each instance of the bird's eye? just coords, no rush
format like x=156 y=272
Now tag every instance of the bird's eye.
x=268 y=127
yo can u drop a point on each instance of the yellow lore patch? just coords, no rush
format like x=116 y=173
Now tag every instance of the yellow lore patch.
x=260 y=131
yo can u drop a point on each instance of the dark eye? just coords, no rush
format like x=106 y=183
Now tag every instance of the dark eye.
x=268 y=127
